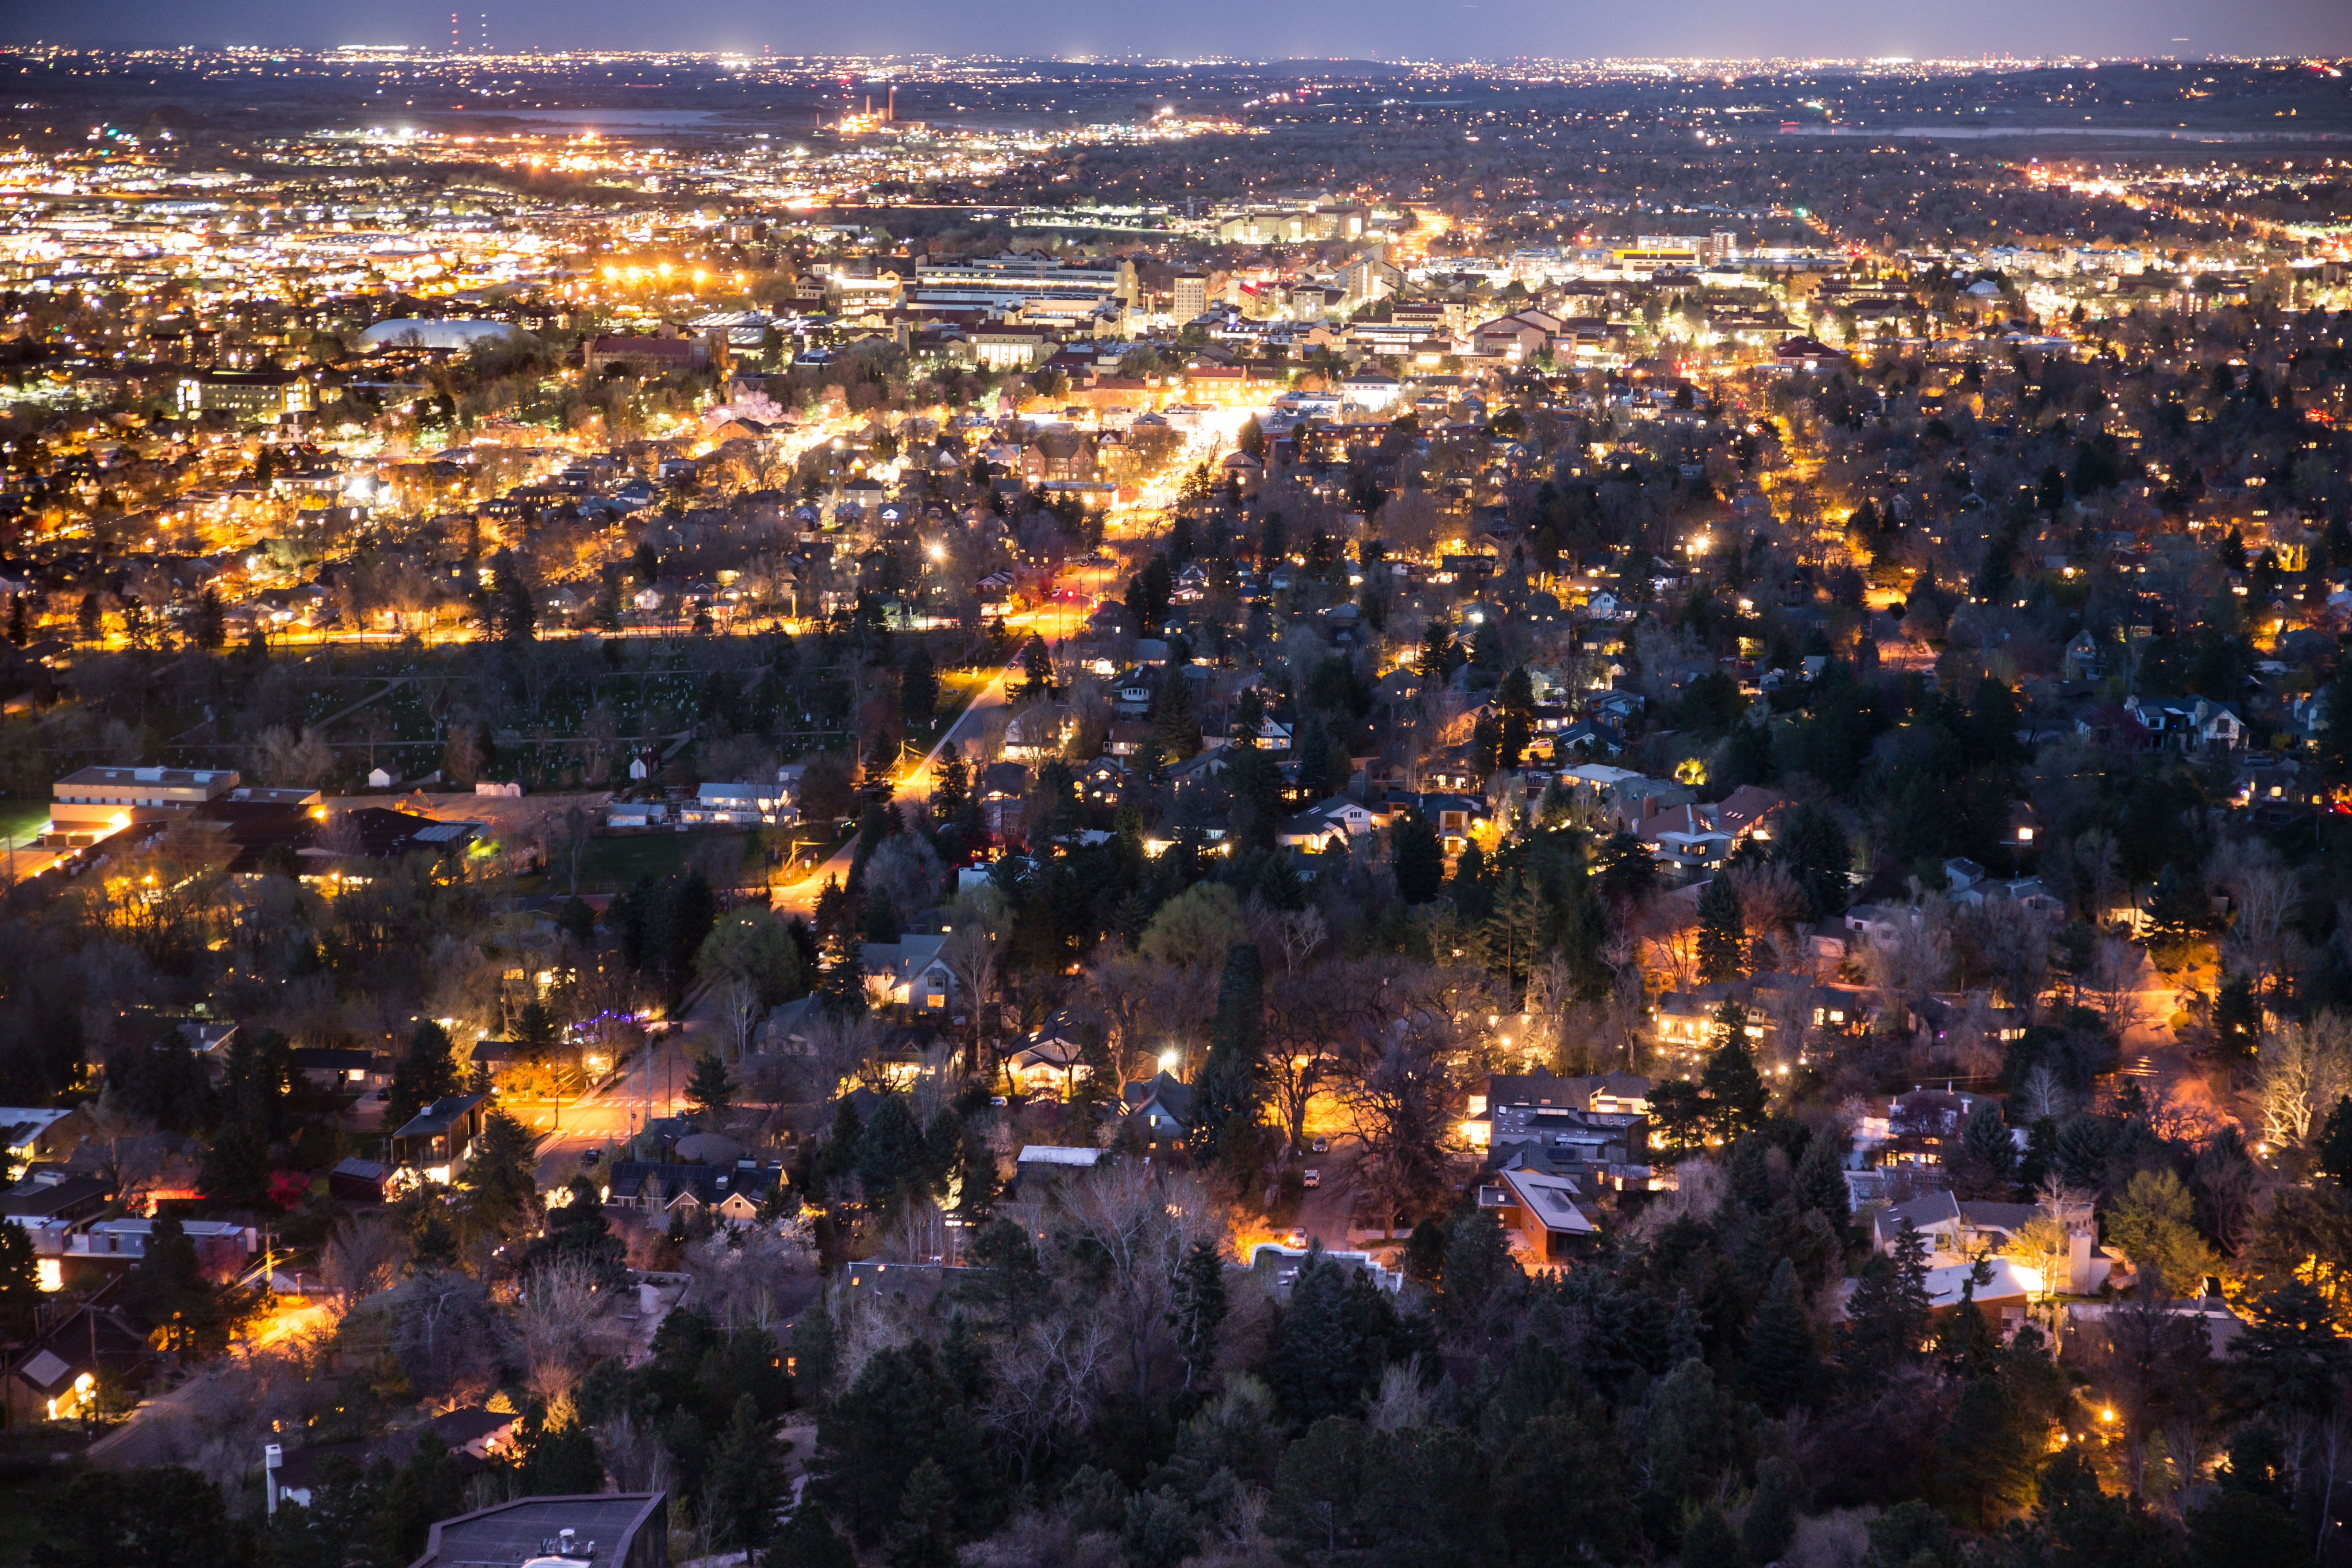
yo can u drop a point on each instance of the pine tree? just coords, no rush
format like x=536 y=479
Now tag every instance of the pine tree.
x=710 y=1091
x=951 y=786
x=1784 y=1367
x=1814 y=852
x=924 y=1536
x=1711 y=1543
x=1231 y=1088
x=745 y=1479
x=2237 y=1019
x=1439 y=657
x=1820 y=1183
x=1887 y=1318
x=1738 y=1101
x=425 y=1072
x=919 y=689
x=536 y=1031
x=841 y=984
x=20 y=1284
x=1771 y=1521
x=1986 y=1165
x=1176 y=726
x=809 y=1541
x=1199 y=1312
x=1722 y=934
x=211 y=628
x=1987 y=1454
x=1420 y=860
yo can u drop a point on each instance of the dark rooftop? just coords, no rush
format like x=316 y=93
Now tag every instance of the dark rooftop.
x=627 y=1529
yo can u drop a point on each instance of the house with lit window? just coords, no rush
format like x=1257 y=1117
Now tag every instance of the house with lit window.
x=908 y=972
x=1541 y=1212
x=435 y=1143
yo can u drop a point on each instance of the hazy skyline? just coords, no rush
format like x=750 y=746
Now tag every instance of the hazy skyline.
x=1443 y=30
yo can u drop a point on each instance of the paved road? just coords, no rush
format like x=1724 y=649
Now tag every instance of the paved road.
x=800 y=898
x=609 y=1116
x=1325 y=1211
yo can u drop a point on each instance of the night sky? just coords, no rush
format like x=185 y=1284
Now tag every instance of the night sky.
x=1449 y=29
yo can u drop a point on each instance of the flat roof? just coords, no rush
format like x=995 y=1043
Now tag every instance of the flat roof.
x=170 y=778
x=515 y=1531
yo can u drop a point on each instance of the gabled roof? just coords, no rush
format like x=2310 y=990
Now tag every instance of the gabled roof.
x=440 y=1116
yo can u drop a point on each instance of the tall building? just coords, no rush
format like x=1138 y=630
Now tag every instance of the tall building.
x=1192 y=296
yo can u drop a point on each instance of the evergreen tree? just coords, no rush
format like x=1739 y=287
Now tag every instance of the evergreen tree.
x=1231 y=1088
x=1985 y=1164
x=745 y=1479
x=710 y=1091
x=1318 y=1482
x=2248 y=1521
x=1783 y=1364
x=1316 y=1361
x=169 y=1293
x=1198 y=1310
x=536 y=1031
x=555 y=1461
x=1515 y=703
x=2334 y=1144
x=809 y=1541
x=1987 y=1456
x=1814 y=852
x=1736 y=1100
x=1771 y=1522
x=20 y=1284
x=1711 y=1543
x=163 y=1516
x=841 y=984
x=1175 y=725
x=1439 y=656
x=578 y=1232
x=924 y=1536
x=1420 y=860
x=919 y=689
x=951 y=786
x=424 y=1072
x=1888 y=1319
x=2237 y=1020
x=210 y=631
x=1820 y=1183
x=1722 y=934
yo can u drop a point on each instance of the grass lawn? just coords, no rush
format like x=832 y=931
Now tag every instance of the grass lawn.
x=615 y=862
x=20 y=819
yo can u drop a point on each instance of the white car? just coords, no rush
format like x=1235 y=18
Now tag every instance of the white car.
x=1314 y=1178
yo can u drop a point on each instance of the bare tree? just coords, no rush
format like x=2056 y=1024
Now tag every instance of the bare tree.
x=973 y=950
x=2301 y=1071
x=2263 y=897
x=2114 y=983
x=566 y=1324
x=740 y=1011
x=2040 y=1097
x=1048 y=1384
x=1136 y=1226
x=1396 y=1098
x=361 y=1258
x=1915 y=957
